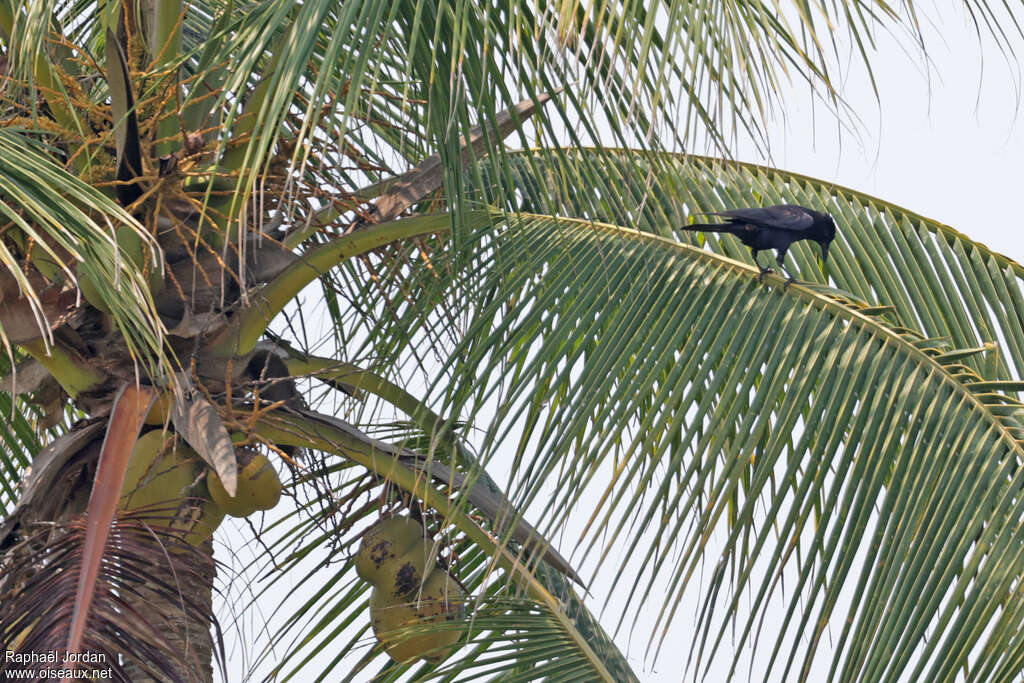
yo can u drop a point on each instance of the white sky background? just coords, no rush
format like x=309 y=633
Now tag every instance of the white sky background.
x=947 y=143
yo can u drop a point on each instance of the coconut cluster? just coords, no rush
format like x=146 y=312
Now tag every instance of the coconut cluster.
x=164 y=482
x=409 y=592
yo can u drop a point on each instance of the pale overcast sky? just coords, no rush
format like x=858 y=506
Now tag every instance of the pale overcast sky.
x=947 y=144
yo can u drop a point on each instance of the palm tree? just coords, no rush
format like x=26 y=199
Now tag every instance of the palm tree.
x=177 y=176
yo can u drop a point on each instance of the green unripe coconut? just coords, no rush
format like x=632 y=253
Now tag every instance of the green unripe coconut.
x=167 y=481
x=90 y=292
x=439 y=600
x=161 y=410
x=202 y=519
x=154 y=477
x=394 y=555
x=50 y=268
x=215 y=179
x=259 y=488
x=138 y=252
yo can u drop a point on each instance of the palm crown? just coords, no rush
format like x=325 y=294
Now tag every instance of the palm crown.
x=176 y=175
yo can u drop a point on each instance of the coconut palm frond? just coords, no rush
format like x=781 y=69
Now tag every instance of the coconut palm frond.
x=708 y=394
x=936 y=279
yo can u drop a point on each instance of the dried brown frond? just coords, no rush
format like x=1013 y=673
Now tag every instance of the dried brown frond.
x=143 y=563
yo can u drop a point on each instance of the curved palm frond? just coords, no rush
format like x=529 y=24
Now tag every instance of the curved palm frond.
x=937 y=279
x=67 y=221
x=708 y=395
x=482 y=553
x=434 y=71
x=312 y=544
x=596 y=345
x=492 y=640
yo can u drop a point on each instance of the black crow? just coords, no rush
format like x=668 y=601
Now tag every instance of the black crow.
x=774 y=227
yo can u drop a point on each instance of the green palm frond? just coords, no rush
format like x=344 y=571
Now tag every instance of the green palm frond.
x=20 y=439
x=333 y=613
x=435 y=71
x=513 y=640
x=70 y=222
x=859 y=443
x=938 y=280
x=484 y=553
x=708 y=395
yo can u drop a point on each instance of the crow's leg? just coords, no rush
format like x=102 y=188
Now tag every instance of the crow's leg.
x=780 y=258
x=763 y=271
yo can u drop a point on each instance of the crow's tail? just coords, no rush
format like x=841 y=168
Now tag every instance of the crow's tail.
x=710 y=227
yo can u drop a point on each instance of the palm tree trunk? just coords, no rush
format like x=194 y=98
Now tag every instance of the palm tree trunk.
x=167 y=585
x=187 y=632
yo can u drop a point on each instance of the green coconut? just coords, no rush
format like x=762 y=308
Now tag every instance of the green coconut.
x=167 y=482
x=398 y=622
x=155 y=476
x=394 y=555
x=200 y=521
x=259 y=488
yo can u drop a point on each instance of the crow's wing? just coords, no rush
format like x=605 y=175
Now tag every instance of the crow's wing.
x=782 y=217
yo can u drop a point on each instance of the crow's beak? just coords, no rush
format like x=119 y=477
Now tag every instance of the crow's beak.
x=824 y=254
